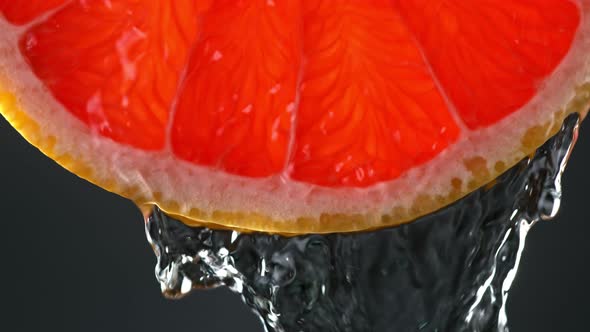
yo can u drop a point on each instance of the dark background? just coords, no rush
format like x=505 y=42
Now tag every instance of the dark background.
x=75 y=258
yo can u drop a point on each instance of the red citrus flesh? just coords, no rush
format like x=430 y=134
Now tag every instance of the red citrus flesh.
x=336 y=93
x=292 y=116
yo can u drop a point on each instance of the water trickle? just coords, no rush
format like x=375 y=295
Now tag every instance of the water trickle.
x=448 y=271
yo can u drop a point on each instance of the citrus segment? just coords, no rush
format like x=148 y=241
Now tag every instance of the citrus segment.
x=236 y=103
x=292 y=116
x=15 y=12
x=500 y=50
x=369 y=108
x=115 y=65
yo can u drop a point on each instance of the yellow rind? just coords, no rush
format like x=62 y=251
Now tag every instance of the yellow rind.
x=483 y=172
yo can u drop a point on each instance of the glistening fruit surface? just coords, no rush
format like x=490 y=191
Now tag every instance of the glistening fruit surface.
x=319 y=95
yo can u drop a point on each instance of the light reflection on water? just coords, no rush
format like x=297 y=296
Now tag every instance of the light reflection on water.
x=448 y=271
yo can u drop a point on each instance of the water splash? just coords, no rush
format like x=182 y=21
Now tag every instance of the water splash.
x=448 y=271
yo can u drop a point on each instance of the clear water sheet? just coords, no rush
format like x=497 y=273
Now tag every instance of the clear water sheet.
x=448 y=271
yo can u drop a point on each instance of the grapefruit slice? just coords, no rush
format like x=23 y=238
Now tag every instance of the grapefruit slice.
x=292 y=116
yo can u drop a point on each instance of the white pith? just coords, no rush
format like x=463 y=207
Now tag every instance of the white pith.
x=278 y=197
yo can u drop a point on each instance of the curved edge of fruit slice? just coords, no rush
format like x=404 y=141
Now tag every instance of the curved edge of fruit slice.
x=278 y=204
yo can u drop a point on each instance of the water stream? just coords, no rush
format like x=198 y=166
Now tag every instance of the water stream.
x=447 y=271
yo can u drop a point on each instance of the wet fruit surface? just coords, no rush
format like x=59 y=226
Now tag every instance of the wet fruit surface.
x=337 y=93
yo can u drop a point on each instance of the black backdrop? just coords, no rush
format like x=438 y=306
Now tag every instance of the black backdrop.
x=74 y=258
